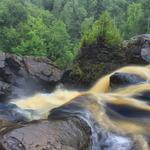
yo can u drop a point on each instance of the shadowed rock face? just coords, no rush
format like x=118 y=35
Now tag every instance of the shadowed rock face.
x=137 y=49
x=92 y=62
x=10 y=112
x=21 y=76
x=4 y=90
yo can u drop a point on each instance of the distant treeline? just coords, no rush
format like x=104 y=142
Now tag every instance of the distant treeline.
x=58 y=28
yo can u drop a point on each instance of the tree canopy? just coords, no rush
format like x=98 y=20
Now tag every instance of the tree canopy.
x=57 y=28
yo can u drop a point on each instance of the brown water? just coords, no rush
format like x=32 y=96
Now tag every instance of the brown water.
x=115 y=116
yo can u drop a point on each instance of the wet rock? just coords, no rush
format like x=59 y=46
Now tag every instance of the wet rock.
x=6 y=126
x=137 y=49
x=21 y=76
x=69 y=134
x=10 y=112
x=4 y=90
x=120 y=80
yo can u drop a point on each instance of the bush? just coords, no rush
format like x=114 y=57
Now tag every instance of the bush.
x=103 y=29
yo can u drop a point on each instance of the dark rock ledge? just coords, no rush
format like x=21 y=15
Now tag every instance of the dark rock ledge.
x=21 y=76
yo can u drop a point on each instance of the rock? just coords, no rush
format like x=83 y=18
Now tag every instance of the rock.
x=99 y=59
x=21 y=76
x=92 y=62
x=10 y=112
x=68 y=134
x=137 y=49
x=120 y=79
x=42 y=68
x=4 y=90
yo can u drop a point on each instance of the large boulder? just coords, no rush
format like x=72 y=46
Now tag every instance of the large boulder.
x=21 y=76
x=98 y=59
x=137 y=49
x=68 y=134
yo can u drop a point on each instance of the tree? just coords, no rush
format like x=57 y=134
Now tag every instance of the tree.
x=33 y=33
x=87 y=25
x=103 y=29
x=12 y=13
x=54 y=28
x=145 y=21
x=73 y=15
x=134 y=16
x=59 y=46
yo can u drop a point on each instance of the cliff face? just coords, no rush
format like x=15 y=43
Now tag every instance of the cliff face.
x=21 y=76
x=99 y=59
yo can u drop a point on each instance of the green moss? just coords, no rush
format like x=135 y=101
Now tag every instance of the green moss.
x=77 y=70
x=89 y=73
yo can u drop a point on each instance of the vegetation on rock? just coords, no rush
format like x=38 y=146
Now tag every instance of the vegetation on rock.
x=102 y=30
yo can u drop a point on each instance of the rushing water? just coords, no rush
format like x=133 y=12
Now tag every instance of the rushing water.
x=101 y=138
x=54 y=104
x=113 y=115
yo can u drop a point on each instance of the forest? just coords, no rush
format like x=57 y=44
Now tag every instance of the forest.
x=74 y=74
x=57 y=29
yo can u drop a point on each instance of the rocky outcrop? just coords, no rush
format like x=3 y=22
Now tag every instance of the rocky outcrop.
x=21 y=76
x=68 y=134
x=137 y=49
x=98 y=59
x=92 y=62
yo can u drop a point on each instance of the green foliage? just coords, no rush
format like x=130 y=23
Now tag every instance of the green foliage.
x=36 y=33
x=59 y=49
x=86 y=25
x=145 y=24
x=134 y=16
x=12 y=13
x=9 y=38
x=55 y=28
x=103 y=29
x=33 y=33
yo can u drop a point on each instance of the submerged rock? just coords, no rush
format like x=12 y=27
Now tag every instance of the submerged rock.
x=21 y=76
